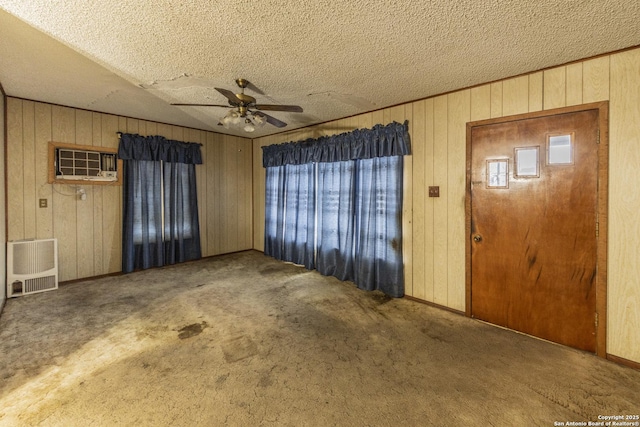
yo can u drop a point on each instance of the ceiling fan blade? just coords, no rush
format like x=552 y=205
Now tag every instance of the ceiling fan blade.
x=274 y=107
x=271 y=120
x=233 y=99
x=201 y=105
x=254 y=88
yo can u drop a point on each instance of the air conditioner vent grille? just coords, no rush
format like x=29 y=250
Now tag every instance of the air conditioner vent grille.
x=32 y=266
x=33 y=257
x=40 y=284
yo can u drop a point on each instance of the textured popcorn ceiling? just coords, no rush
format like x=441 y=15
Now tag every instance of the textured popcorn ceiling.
x=335 y=59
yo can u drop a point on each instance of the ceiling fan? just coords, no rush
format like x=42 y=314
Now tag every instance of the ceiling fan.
x=246 y=111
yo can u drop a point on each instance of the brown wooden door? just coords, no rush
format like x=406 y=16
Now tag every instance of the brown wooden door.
x=533 y=229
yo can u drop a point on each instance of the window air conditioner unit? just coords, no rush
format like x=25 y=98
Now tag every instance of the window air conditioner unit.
x=86 y=165
x=32 y=266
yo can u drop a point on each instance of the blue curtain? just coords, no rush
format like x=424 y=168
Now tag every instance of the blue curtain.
x=159 y=180
x=299 y=215
x=290 y=214
x=142 y=216
x=181 y=225
x=336 y=219
x=274 y=212
x=378 y=229
x=358 y=213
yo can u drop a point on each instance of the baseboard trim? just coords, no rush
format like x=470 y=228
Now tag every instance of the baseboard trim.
x=433 y=304
x=622 y=361
x=84 y=279
x=120 y=273
x=615 y=359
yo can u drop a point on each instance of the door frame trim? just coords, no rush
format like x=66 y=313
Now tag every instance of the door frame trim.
x=601 y=209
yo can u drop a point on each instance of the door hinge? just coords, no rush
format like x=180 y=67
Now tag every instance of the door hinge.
x=598 y=141
x=596 y=320
x=597 y=229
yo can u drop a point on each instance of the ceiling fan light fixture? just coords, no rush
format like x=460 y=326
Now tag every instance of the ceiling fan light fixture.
x=248 y=122
x=243 y=114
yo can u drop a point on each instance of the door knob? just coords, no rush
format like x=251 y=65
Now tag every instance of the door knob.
x=477 y=238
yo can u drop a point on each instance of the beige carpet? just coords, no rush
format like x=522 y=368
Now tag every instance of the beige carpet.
x=244 y=340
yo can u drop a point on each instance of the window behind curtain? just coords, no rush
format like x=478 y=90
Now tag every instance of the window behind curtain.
x=146 y=180
x=353 y=232
x=274 y=212
x=178 y=181
x=299 y=214
x=149 y=194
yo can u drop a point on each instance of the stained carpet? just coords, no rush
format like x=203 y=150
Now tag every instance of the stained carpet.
x=244 y=340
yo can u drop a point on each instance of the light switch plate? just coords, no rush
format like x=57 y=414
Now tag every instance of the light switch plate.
x=434 y=191
x=43 y=203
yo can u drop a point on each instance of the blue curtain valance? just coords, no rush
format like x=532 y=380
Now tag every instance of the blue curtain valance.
x=156 y=148
x=379 y=141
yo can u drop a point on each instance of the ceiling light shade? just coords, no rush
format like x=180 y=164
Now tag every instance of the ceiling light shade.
x=231 y=118
x=259 y=120
x=248 y=126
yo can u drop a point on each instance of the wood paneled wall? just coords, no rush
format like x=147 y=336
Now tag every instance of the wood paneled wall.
x=434 y=228
x=89 y=232
x=3 y=232
x=624 y=205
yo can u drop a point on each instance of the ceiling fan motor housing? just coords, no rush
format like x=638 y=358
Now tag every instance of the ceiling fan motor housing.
x=245 y=99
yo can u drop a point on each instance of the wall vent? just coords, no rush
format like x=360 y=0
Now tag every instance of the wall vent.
x=32 y=266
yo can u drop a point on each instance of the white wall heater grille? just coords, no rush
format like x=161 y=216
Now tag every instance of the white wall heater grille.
x=32 y=266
